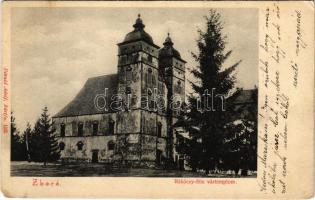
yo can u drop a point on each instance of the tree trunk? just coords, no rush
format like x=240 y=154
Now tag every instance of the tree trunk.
x=244 y=172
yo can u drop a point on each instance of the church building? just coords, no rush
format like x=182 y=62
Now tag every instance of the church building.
x=127 y=116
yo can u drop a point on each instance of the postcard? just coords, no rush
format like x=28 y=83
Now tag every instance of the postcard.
x=152 y=99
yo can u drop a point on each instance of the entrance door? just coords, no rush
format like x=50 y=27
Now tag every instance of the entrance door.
x=158 y=156
x=94 y=156
x=181 y=164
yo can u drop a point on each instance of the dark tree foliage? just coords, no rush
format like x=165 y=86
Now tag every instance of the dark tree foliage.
x=18 y=151
x=205 y=125
x=240 y=146
x=43 y=142
x=240 y=138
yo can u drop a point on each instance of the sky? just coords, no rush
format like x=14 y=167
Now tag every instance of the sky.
x=55 y=50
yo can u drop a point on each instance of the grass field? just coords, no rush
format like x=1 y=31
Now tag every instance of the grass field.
x=89 y=169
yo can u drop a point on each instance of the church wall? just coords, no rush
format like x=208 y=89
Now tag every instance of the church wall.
x=128 y=122
x=90 y=143
x=71 y=124
x=163 y=121
x=150 y=141
x=98 y=143
x=178 y=64
x=148 y=148
x=136 y=47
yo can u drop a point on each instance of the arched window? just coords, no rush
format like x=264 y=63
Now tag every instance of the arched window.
x=80 y=129
x=149 y=92
x=80 y=145
x=128 y=73
x=149 y=81
x=62 y=146
x=62 y=130
x=95 y=128
x=150 y=58
x=111 y=127
x=111 y=145
x=159 y=129
x=128 y=90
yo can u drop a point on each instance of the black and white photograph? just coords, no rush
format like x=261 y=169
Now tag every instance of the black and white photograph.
x=134 y=92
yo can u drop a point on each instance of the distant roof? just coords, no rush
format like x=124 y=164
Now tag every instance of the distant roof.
x=244 y=96
x=83 y=103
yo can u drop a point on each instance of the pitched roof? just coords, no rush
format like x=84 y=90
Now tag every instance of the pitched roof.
x=83 y=103
x=244 y=96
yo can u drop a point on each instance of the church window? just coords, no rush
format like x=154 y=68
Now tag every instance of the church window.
x=128 y=90
x=111 y=126
x=80 y=129
x=62 y=130
x=159 y=129
x=111 y=145
x=149 y=92
x=150 y=58
x=95 y=128
x=152 y=104
x=62 y=146
x=80 y=145
x=149 y=77
x=128 y=73
x=178 y=88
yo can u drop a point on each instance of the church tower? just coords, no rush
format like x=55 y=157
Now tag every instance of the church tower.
x=172 y=66
x=140 y=128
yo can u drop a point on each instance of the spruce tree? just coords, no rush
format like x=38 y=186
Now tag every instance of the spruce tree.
x=205 y=124
x=16 y=154
x=44 y=145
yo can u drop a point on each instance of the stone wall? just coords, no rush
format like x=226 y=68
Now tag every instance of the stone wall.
x=71 y=124
x=90 y=144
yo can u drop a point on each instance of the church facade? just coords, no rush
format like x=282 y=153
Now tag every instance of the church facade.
x=127 y=116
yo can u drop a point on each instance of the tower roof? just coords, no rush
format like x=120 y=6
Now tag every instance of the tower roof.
x=138 y=34
x=168 y=50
